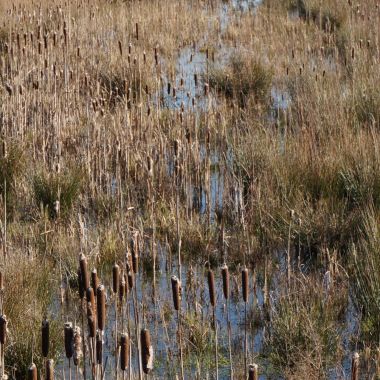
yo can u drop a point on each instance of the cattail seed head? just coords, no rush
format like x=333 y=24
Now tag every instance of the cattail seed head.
x=253 y=372
x=130 y=279
x=122 y=288
x=115 y=278
x=124 y=351
x=91 y=320
x=49 y=370
x=3 y=329
x=84 y=272
x=101 y=307
x=69 y=340
x=80 y=284
x=146 y=351
x=1 y=281
x=355 y=367
x=176 y=289
x=135 y=254
x=32 y=372
x=94 y=279
x=45 y=338
x=99 y=348
x=226 y=281
x=211 y=287
x=244 y=283
x=77 y=346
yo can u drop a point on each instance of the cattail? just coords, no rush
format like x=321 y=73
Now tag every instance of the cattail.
x=355 y=367
x=130 y=279
x=101 y=307
x=156 y=56
x=84 y=272
x=137 y=30
x=1 y=281
x=226 y=281
x=80 y=284
x=32 y=372
x=49 y=370
x=146 y=351
x=90 y=296
x=135 y=254
x=94 y=279
x=211 y=287
x=120 y=49
x=99 y=348
x=122 y=288
x=45 y=338
x=206 y=89
x=253 y=372
x=3 y=328
x=115 y=278
x=169 y=88
x=69 y=340
x=176 y=289
x=78 y=353
x=91 y=321
x=124 y=351
x=195 y=79
x=244 y=283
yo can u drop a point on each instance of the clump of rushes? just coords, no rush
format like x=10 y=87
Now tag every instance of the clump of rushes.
x=63 y=187
x=244 y=79
x=147 y=354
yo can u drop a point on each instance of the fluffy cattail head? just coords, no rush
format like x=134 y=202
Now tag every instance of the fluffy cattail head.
x=69 y=340
x=77 y=346
x=226 y=281
x=146 y=351
x=176 y=289
x=45 y=338
x=49 y=370
x=3 y=328
x=244 y=283
x=91 y=320
x=124 y=351
x=211 y=287
x=253 y=372
x=101 y=307
x=32 y=372
x=115 y=278
x=122 y=287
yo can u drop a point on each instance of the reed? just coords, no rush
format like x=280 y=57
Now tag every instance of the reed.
x=245 y=293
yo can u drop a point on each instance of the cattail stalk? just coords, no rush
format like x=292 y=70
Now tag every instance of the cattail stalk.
x=245 y=288
x=176 y=290
x=211 y=288
x=226 y=293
